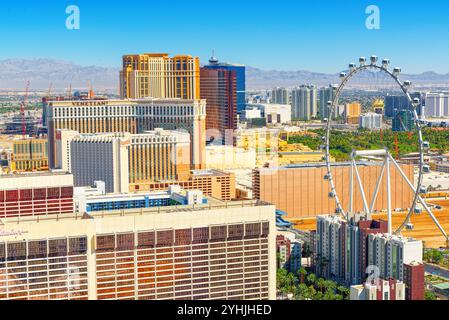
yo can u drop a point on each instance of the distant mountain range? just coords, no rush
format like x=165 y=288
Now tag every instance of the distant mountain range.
x=262 y=79
x=14 y=73
x=41 y=72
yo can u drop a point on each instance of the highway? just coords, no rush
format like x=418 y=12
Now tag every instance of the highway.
x=436 y=270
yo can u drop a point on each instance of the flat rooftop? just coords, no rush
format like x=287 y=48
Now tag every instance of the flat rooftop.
x=212 y=205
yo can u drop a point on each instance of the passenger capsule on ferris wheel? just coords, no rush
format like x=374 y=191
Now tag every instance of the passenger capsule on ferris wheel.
x=362 y=61
x=385 y=63
x=396 y=71
x=352 y=66
x=374 y=59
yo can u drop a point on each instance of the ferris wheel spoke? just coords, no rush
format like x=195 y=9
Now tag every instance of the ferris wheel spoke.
x=420 y=199
x=376 y=189
x=362 y=190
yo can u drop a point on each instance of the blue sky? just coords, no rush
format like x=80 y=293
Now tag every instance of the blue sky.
x=314 y=35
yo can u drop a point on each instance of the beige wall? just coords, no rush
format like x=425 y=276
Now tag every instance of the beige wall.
x=303 y=192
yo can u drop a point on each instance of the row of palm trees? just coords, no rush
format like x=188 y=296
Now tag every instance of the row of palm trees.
x=307 y=286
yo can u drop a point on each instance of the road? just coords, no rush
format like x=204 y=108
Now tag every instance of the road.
x=437 y=271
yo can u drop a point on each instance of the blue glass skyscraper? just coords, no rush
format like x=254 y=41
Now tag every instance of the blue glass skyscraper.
x=240 y=79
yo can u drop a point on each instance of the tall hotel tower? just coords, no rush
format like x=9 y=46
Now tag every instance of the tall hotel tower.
x=157 y=75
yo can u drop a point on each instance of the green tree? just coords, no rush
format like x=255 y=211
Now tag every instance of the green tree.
x=430 y=295
x=302 y=273
x=311 y=279
x=320 y=284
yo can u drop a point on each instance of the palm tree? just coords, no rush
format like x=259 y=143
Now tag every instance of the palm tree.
x=320 y=283
x=311 y=279
x=302 y=292
x=302 y=273
x=343 y=291
x=330 y=285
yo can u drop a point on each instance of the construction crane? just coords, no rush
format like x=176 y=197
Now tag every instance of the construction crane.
x=396 y=145
x=22 y=111
x=49 y=89
x=91 y=93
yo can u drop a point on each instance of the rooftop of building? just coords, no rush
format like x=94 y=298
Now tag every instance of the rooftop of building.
x=213 y=204
x=323 y=164
x=119 y=102
x=23 y=174
x=210 y=172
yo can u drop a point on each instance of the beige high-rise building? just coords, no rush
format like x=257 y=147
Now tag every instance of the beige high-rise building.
x=156 y=75
x=207 y=251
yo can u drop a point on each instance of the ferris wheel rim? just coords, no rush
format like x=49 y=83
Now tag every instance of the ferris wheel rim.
x=345 y=79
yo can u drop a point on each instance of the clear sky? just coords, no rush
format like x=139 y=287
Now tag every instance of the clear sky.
x=316 y=35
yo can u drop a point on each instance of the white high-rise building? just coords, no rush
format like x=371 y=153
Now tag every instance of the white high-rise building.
x=102 y=157
x=371 y=121
x=436 y=105
x=304 y=102
x=280 y=96
x=383 y=290
x=326 y=94
x=390 y=252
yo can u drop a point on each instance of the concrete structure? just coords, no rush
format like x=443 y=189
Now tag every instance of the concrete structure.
x=87 y=200
x=352 y=110
x=218 y=88
x=389 y=253
x=325 y=94
x=304 y=102
x=33 y=194
x=414 y=279
x=101 y=157
x=349 y=251
x=273 y=113
x=240 y=78
x=252 y=113
x=212 y=183
x=378 y=106
x=229 y=157
x=289 y=252
x=396 y=102
x=370 y=121
x=29 y=154
x=133 y=116
x=213 y=251
x=437 y=105
x=152 y=156
x=301 y=190
x=384 y=290
x=156 y=75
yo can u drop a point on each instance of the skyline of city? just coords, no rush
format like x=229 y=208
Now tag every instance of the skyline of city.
x=176 y=171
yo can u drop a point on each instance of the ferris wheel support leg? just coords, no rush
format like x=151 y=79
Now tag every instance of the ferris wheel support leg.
x=424 y=204
x=387 y=166
x=376 y=190
x=362 y=191
x=351 y=189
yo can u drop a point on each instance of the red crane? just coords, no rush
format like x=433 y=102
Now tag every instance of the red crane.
x=396 y=145
x=22 y=110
